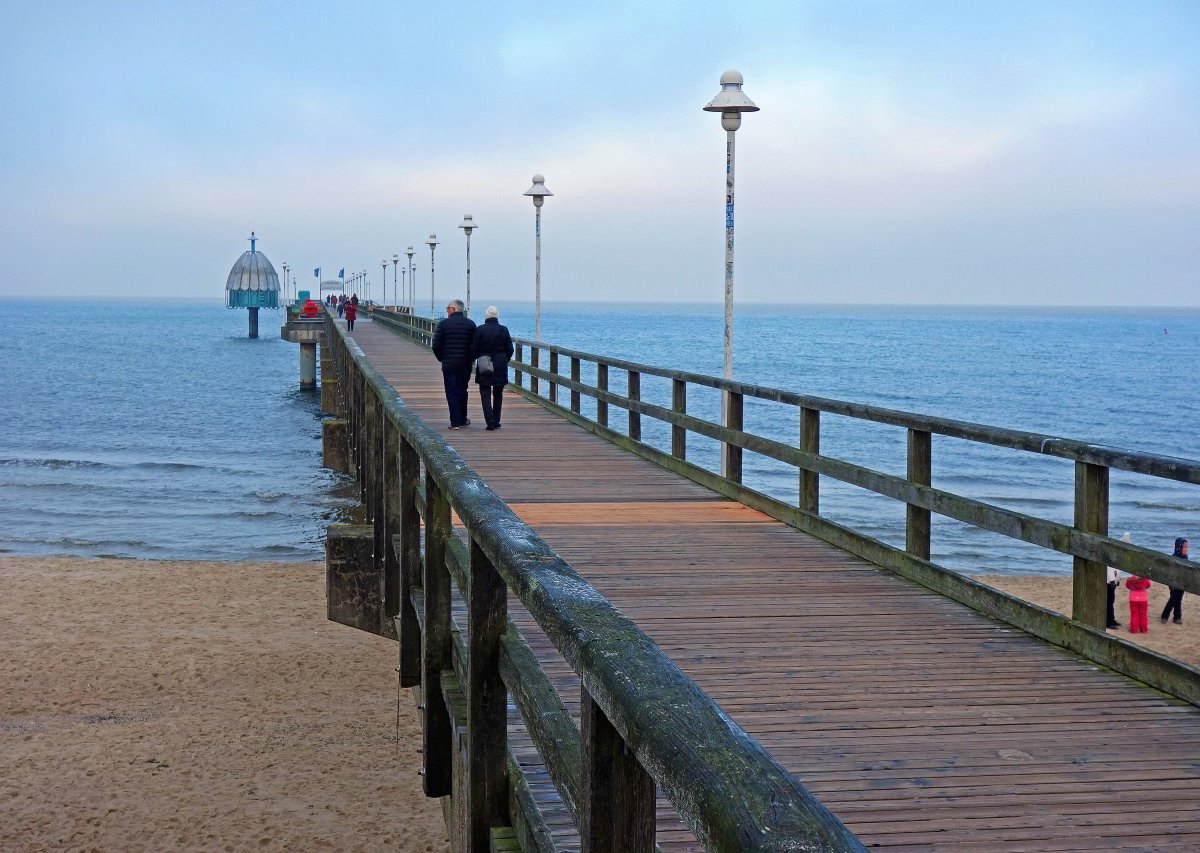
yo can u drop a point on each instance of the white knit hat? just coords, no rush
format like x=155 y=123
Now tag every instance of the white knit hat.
x=491 y=311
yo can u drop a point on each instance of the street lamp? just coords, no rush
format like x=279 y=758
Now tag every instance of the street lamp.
x=730 y=102
x=285 y=280
x=468 y=225
x=396 y=278
x=539 y=192
x=412 y=282
x=432 y=242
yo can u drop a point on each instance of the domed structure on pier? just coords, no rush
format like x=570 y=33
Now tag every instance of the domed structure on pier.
x=253 y=282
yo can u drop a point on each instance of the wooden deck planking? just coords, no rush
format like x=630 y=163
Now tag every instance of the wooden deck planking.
x=922 y=724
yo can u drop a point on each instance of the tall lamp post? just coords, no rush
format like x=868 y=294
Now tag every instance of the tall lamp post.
x=285 y=280
x=539 y=192
x=383 y=263
x=412 y=282
x=396 y=278
x=366 y=283
x=432 y=242
x=730 y=102
x=468 y=225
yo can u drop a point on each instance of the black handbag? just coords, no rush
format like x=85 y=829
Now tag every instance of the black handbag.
x=484 y=366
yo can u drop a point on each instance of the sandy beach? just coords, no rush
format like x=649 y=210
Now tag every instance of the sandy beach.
x=203 y=706
x=1181 y=642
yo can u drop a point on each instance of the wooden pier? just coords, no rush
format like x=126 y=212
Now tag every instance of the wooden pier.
x=879 y=712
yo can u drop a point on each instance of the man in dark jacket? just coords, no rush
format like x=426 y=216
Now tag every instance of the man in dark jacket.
x=452 y=346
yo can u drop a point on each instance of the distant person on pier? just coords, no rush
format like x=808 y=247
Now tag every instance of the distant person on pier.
x=354 y=299
x=351 y=314
x=1139 y=601
x=341 y=306
x=1175 y=600
x=492 y=340
x=452 y=347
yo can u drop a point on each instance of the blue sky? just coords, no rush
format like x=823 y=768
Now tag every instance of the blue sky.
x=910 y=152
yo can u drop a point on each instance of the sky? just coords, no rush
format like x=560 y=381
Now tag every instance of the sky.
x=922 y=152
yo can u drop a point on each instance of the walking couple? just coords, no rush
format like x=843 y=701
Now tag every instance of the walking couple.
x=458 y=344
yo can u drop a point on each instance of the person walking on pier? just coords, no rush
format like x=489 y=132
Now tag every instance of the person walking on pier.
x=1175 y=601
x=452 y=347
x=492 y=340
x=351 y=315
x=1139 y=601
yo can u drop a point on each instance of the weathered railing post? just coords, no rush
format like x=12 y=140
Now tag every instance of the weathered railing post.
x=602 y=384
x=1088 y=595
x=553 y=372
x=616 y=806
x=410 y=565
x=436 y=643
x=731 y=455
x=487 y=702
x=810 y=442
x=575 y=378
x=679 y=405
x=535 y=360
x=391 y=523
x=920 y=471
x=518 y=356
x=634 y=392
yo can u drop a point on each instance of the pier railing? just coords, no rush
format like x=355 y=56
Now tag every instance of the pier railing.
x=553 y=376
x=644 y=723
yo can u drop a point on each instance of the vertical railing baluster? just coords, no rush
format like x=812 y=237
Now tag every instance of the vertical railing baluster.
x=1088 y=594
x=602 y=384
x=575 y=378
x=731 y=464
x=535 y=361
x=917 y=529
x=410 y=565
x=391 y=523
x=435 y=645
x=553 y=371
x=519 y=355
x=679 y=406
x=634 y=392
x=487 y=702
x=810 y=442
x=616 y=806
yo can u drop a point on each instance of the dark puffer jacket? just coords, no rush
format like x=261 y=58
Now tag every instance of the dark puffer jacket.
x=452 y=341
x=493 y=339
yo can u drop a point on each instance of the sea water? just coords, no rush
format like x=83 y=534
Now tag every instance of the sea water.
x=159 y=430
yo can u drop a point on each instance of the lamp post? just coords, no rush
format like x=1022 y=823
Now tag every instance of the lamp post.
x=539 y=192
x=396 y=278
x=468 y=225
x=366 y=283
x=730 y=102
x=432 y=242
x=412 y=282
x=383 y=263
x=285 y=281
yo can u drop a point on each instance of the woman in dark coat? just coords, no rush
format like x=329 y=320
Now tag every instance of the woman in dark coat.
x=492 y=339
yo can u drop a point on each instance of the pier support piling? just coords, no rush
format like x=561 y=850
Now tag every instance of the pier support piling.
x=353 y=587
x=335 y=445
x=308 y=366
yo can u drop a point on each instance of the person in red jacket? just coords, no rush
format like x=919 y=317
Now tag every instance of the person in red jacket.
x=1139 y=600
x=351 y=313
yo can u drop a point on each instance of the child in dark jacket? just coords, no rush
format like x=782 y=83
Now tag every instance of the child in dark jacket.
x=1139 y=600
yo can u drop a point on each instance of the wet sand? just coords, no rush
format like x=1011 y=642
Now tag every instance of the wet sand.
x=204 y=706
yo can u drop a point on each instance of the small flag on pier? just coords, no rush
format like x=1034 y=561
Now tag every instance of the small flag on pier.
x=342 y=272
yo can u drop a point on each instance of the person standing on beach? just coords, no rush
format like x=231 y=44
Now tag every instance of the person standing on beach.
x=1139 y=601
x=452 y=347
x=1175 y=600
x=1114 y=581
x=493 y=340
x=351 y=315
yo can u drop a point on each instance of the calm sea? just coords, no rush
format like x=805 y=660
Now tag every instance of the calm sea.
x=158 y=430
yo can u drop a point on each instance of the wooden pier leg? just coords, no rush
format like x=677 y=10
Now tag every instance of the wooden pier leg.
x=1088 y=594
x=410 y=565
x=731 y=455
x=918 y=528
x=435 y=645
x=487 y=705
x=616 y=808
